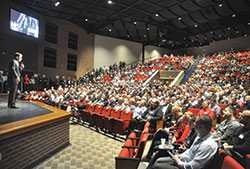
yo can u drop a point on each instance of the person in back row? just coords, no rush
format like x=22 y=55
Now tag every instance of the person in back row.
x=199 y=154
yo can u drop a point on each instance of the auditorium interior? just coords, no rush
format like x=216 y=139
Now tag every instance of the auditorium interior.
x=135 y=84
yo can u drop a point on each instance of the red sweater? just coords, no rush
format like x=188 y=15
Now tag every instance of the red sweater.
x=182 y=133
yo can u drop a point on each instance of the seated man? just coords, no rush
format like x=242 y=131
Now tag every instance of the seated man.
x=206 y=110
x=152 y=114
x=240 y=141
x=226 y=128
x=199 y=154
x=137 y=113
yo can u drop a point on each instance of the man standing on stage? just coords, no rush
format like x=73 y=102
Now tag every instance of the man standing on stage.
x=14 y=75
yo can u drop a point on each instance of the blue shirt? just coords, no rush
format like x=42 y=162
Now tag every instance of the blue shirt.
x=199 y=154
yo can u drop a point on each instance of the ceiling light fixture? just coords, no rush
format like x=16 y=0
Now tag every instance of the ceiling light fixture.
x=245 y=35
x=248 y=23
x=164 y=40
x=211 y=32
x=110 y=2
x=228 y=28
x=110 y=29
x=57 y=3
x=86 y=20
x=135 y=22
x=179 y=18
x=144 y=36
x=237 y=31
x=220 y=5
x=147 y=28
x=156 y=14
x=233 y=15
x=196 y=25
x=128 y=36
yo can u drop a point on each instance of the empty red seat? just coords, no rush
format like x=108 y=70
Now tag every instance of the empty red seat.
x=108 y=122
x=99 y=117
x=120 y=125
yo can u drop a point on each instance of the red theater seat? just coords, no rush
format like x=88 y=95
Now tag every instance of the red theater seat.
x=108 y=122
x=120 y=125
x=91 y=115
x=230 y=163
x=99 y=117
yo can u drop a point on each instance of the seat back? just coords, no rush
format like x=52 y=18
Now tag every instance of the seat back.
x=230 y=163
x=116 y=113
x=194 y=111
x=106 y=111
x=126 y=115
x=247 y=161
x=124 y=153
x=91 y=107
x=98 y=109
x=141 y=146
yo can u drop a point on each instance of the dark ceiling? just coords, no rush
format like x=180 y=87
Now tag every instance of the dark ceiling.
x=167 y=23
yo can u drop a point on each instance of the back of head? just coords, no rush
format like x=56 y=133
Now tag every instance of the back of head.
x=206 y=121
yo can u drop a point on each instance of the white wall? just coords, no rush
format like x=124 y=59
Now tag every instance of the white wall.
x=239 y=44
x=108 y=51
x=152 y=52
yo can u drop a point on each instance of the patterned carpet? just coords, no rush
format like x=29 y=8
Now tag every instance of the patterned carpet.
x=88 y=150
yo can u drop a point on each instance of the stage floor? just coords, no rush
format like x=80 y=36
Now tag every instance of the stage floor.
x=26 y=110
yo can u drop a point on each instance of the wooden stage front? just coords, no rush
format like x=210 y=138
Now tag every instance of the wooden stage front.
x=25 y=143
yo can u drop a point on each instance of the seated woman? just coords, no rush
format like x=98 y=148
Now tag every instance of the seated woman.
x=179 y=137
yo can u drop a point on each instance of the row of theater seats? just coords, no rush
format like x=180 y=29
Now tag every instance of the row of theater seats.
x=107 y=119
x=132 y=150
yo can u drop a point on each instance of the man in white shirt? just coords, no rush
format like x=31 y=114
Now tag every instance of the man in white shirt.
x=199 y=154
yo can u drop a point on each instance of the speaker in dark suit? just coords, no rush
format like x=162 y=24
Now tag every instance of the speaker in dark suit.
x=14 y=75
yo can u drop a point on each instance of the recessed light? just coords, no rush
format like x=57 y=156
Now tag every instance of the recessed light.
x=196 y=25
x=192 y=40
x=205 y=38
x=172 y=44
x=86 y=20
x=228 y=28
x=248 y=23
x=233 y=15
x=144 y=36
x=110 y=2
x=57 y=3
x=186 y=45
x=220 y=35
x=220 y=5
x=128 y=36
x=211 y=32
x=237 y=31
x=147 y=28
x=135 y=22
x=245 y=35
x=110 y=30
x=184 y=38
x=156 y=14
x=200 y=43
x=228 y=38
x=197 y=36
x=179 y=18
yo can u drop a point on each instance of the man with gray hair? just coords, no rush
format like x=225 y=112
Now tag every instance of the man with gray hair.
x=14 y=75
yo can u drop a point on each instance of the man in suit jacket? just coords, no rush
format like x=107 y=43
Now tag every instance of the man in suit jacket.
x=15 y=66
